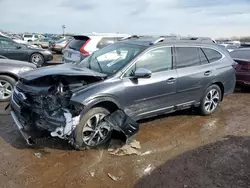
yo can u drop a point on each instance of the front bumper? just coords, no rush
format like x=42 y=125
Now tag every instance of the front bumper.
x=48 y=57
x=16 y=115
x=20 y=127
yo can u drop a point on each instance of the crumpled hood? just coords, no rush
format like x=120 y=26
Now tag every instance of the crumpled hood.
x=60 y=70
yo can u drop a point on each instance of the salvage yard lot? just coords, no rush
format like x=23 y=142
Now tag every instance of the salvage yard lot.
x=179 y=150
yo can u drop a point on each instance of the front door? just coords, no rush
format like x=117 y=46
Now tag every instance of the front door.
x=12 y=50
x=145 y=97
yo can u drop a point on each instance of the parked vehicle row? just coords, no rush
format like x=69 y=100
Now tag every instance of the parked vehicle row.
x=143 y=78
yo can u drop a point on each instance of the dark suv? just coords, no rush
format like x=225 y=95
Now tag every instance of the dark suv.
x=141 y=77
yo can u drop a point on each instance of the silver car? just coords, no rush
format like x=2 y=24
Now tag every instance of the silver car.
x=9 y=74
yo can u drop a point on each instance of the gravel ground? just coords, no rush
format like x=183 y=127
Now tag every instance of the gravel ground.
x=179 y=150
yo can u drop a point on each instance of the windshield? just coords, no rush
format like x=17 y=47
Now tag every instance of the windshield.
x=112 y=58
x=28 y=36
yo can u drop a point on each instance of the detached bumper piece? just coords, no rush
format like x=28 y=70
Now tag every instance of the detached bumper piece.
x=20 y=127
x=120 y=121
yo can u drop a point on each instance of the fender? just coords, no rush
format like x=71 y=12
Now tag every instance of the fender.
x=90 y=102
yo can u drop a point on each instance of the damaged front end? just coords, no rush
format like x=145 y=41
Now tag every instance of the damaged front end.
x=44 y=104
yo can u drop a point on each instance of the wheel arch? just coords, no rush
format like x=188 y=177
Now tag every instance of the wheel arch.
x=15 y=77
x=109 y=103
x=222 y=88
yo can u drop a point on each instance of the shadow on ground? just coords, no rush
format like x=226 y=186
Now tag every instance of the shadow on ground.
x=221 y=164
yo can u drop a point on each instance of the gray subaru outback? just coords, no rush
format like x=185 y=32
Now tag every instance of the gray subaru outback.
x=142 y=77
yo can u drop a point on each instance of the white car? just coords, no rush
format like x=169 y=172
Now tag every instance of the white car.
x=82 y=46
x=30 y=37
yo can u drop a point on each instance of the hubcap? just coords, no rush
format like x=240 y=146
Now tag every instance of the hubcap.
x=37 y=59
x=5 y=89
x=93 y=132
x=212 y=100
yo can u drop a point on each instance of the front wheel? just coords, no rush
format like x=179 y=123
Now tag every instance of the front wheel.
x=89 y=133
x=6 y=87
x=37 y=59
x=210 y=100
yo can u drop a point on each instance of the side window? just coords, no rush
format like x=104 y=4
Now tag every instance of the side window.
x=156 y=60
x=212 y=55
x=7 y=44
x=203 y=58
x=105 y=41
x=187 y=57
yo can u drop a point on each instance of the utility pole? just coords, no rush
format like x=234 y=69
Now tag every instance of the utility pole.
x=63 y=28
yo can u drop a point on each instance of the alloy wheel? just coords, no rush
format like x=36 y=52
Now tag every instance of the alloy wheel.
x=36 y=59
x=93 y=132
x=212 y=100
x=5 y=90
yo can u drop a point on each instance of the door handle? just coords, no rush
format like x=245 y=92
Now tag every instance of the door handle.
x=171 y=80
x=208 y=73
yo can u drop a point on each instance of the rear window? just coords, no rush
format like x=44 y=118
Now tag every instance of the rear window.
x=240 y=54
x=76 y=44
x=105 y=41
x=28 y=36
x=212 y=55
x=187 y=57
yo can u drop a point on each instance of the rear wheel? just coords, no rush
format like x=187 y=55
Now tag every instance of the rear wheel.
x=6 y=87
x=89 y=133
x=210 y=100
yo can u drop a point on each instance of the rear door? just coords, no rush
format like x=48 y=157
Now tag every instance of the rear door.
x=194 y=74
x=11 y=50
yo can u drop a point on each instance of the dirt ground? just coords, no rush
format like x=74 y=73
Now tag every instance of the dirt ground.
x=178 y=150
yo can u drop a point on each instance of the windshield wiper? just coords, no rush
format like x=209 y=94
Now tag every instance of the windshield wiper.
x=99 y=64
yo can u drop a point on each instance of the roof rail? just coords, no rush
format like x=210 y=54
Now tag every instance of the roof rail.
x=161 y=39
x=130 y=37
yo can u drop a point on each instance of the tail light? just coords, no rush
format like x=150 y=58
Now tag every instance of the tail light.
x=53 y=44
x=82 y=50
x=234 y=65
x=245 y=67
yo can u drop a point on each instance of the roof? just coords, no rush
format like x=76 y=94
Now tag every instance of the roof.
x=161 y=41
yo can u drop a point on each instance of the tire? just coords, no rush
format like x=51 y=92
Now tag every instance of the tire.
x=209 y=105
x=6 y=87
x=82 y=133
x=37 y=59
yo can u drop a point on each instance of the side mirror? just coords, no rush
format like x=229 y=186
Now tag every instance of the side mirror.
x=18 y=47
x=142 y=73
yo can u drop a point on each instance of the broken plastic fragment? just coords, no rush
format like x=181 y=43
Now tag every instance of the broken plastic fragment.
x=113 y=177
x=38 y=155
x=127 y=149
x=71 y=123
x=146 y=153
x=148 y=169
x=120 y=121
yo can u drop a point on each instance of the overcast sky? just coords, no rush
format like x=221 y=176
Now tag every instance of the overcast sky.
x=214 y=18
